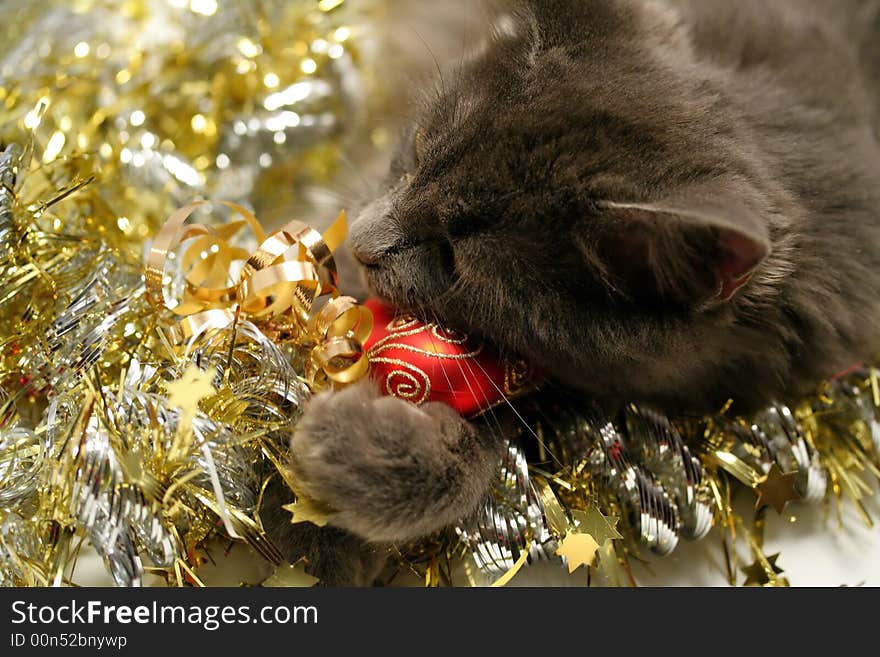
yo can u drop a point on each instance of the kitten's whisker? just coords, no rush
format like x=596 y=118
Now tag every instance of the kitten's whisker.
x=433 y=57
x=342 y=191
x=457 y=285
x=510 y=195
x=442 y=298
x=369 y=187
x=436 y=321
x=449 y=382
x=319 y=194
x=489 y=407
x=519 y=416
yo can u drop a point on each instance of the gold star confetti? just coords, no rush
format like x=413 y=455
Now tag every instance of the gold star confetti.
x=578 y=548
x=776 y=489
x=592 y=522
x=185 y=393
x=764 y=572
x=305 y=510
x=192 y=387
x=290 y=576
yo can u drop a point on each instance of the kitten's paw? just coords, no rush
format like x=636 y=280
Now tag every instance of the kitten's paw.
x=390 y=470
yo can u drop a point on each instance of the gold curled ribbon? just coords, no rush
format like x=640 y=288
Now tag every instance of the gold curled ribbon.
x=277 y=289
x=206 y=270
x=343 y=326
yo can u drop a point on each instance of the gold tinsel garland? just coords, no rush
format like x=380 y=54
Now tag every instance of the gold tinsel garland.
x=148 y=399
x=106 y=126
x=649 y=481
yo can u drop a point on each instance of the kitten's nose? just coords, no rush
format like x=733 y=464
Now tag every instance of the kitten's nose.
x=373 y=234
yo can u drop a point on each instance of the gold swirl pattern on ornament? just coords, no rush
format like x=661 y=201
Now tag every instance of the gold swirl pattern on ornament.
x=450 y=336
x=277 y=289
x=402 y=323
x=417 y=391
x=411 y=327
x=405 y=323
x=424 y=352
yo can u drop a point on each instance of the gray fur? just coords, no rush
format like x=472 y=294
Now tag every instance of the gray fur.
x=370 y=457
x=767 y=108
x=579 y=190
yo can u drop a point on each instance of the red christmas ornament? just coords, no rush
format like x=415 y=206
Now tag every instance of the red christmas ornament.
x=419 y=362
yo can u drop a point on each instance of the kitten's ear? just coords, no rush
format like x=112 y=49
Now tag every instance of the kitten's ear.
x=697 y=249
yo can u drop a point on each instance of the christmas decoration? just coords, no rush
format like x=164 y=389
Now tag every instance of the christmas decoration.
x=763 y=572
x=579 y=548
x=304 y=510
x=157 y=350
x=171 y=436
x=147 y=401
x=776 y=489
x=172 y=99
x=593 y=460
x=421 y=361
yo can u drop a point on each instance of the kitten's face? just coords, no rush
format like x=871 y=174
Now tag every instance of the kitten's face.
x=568 y=200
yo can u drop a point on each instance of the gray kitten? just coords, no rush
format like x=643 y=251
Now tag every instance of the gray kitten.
x=672 y=202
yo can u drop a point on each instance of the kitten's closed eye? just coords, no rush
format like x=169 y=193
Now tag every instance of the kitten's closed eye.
x=462 y=220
